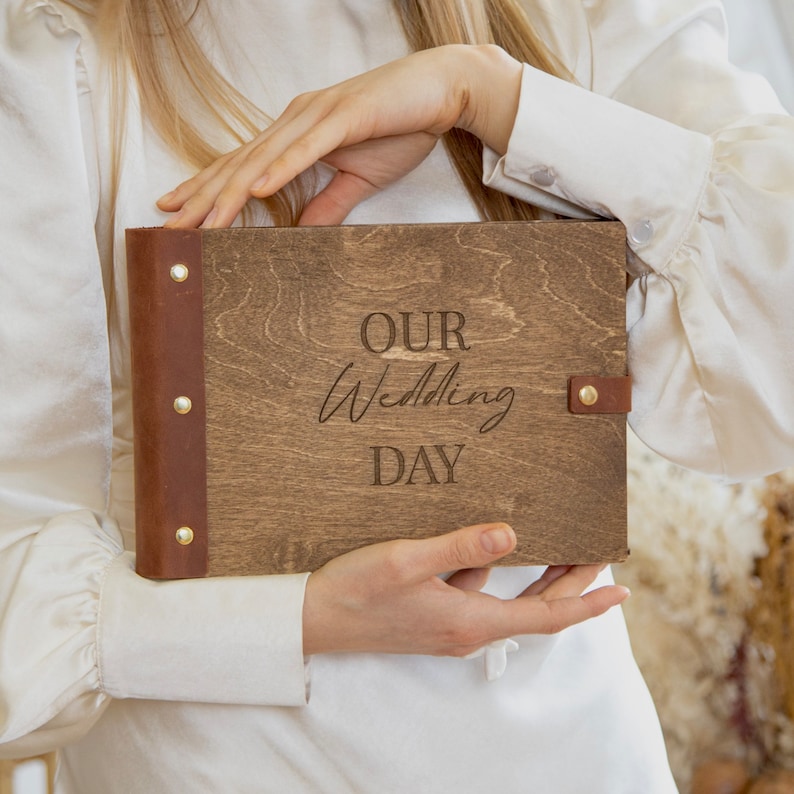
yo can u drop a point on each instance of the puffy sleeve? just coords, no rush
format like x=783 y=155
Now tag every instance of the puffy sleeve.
x=77 y=626
x=697 y=160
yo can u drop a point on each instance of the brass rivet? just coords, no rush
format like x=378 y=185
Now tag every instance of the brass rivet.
x=588 y=395
x=184 y=536
x=182 y=405
x=179 y=272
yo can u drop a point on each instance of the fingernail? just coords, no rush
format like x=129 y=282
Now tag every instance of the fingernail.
x=260 y=183
x=173 y=219
x=210 y=219
x=497 y=541
x=166 y=198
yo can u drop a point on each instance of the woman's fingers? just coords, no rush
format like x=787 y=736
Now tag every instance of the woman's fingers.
x=469 y=579
x=193 y=200
x=565 y=612
x=552 y=614
x=422 y=93
x=551 y=574
x=549 y=615
x=390 y=598
x=177 y=197
x=191 y=188
x=471 y=547
x=362 y=170
x=557 y=578
x=490 y=619
x=335 y=201
x=215 y=196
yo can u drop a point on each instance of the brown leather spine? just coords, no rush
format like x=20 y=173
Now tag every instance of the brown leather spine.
x=612 y=394
x=166 y=319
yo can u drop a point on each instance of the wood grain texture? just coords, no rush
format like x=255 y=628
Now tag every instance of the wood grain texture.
x=311 y=389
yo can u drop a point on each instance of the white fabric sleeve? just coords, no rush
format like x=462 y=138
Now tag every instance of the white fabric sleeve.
x=77 y=625
x=697 y=160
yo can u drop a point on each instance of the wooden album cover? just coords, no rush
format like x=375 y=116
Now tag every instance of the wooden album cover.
x=300 y=392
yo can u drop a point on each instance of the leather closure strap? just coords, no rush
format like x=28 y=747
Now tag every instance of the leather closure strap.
x=595 y=394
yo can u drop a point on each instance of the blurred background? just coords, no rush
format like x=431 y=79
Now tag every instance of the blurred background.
x=712 y=567
x=762 y=40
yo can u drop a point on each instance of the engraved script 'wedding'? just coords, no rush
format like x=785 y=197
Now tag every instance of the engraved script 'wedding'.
x=433 y=388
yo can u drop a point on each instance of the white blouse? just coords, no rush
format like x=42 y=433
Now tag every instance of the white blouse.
x=202 y=685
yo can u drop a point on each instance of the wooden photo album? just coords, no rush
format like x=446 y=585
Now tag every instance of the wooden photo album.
x=300 y=392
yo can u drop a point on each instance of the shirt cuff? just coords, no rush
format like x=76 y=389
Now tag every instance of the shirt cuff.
x=216 y=640
x=571 y=148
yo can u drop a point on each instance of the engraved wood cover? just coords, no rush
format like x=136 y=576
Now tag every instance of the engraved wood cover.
x=360 y=383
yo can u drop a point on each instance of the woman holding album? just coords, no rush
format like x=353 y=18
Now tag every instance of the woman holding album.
x=354 y=677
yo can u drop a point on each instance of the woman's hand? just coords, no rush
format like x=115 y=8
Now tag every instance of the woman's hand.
x=389 y=597
x=373 y=128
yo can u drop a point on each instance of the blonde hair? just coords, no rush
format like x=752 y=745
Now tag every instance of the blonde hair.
x=431 y=23
x=178 y=85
